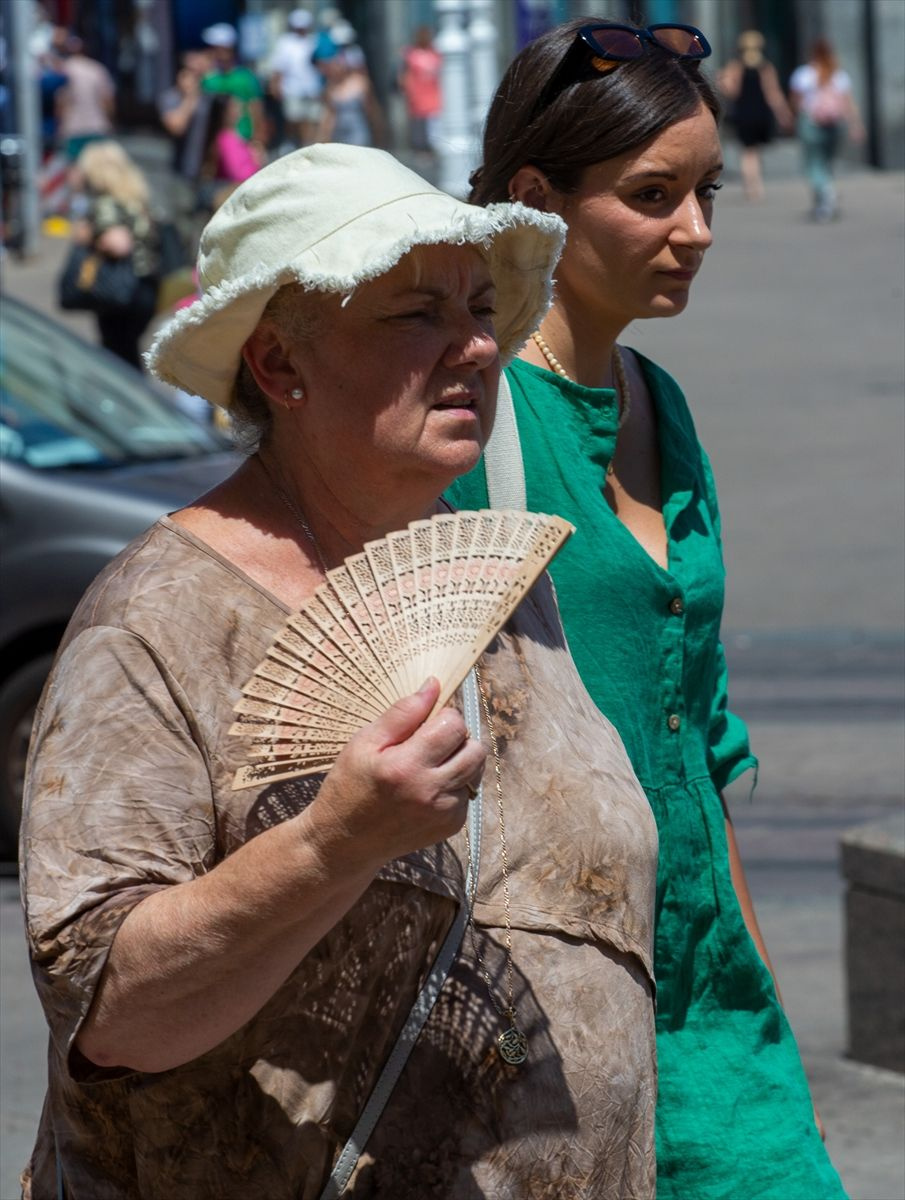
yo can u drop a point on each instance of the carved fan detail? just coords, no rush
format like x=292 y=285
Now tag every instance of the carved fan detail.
x=426 y=600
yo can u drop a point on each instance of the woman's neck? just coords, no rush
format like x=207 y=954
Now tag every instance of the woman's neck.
x=340 y=520
x=583 y=346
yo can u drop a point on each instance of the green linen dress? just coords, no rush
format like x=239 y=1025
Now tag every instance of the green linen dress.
x=734 y=1115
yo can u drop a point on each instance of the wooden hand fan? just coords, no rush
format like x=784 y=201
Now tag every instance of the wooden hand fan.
x=426 y=600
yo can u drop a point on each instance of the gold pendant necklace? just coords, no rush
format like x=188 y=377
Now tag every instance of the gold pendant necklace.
x=623 y=393
x=512 y=1043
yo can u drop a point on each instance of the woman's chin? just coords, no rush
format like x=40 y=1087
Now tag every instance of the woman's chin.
x=458 y=460
x=669 y=306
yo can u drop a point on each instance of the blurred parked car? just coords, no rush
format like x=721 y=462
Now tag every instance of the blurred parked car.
x=91 y=453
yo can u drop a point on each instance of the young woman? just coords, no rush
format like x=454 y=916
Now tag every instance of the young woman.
x=614 y=129
x=756 y=106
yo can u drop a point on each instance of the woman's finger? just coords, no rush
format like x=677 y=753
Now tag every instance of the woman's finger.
x=441 y=737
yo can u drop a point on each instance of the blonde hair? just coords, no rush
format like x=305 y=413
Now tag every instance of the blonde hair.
x=107 y=169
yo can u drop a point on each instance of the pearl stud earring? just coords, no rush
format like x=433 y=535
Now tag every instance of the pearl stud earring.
x=297 y=393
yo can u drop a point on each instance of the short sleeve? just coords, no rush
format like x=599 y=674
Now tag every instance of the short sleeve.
x=728 y=750
x=280 y=60
x=117 y=804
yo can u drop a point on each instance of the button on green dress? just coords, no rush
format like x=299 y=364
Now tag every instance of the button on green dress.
x=734 y=1115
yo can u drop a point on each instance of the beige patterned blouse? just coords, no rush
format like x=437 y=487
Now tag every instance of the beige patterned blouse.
x=129 y=791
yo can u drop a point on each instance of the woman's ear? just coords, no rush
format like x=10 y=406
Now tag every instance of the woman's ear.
x=268 y=357
x=532 y=187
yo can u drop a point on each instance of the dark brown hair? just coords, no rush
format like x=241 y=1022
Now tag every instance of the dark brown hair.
x=595 y=118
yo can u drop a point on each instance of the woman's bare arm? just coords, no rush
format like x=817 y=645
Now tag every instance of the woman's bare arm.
x=729 y=80
x=193 y=962
x=774 y=96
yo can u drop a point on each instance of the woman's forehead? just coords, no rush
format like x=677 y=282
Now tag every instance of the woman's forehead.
x=439 y=266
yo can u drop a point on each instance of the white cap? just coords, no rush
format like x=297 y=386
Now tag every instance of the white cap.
x=300 y=18
x=343 y=34
x=220 y=34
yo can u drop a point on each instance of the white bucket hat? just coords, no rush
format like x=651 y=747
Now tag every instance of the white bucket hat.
x=331 y=217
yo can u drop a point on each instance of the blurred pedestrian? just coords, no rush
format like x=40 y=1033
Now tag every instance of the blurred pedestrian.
x=116 y=221
x=419 y=81
x=822 y=98
x=327 y=19
x=183 y=110
x=51 y=79
x=227 y=75
x=228 y=159
x=295 y=82
x=756 y=106
x=85 y=103
x=352 y=113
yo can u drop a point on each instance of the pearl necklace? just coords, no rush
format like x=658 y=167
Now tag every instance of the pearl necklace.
x=623 y=392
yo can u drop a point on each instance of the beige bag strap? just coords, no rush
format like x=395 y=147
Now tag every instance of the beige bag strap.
x=503 y=466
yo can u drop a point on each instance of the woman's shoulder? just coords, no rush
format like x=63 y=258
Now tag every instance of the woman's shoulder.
x=665 y=386
x=802 y=77
x=678 y=432
x=164 y=580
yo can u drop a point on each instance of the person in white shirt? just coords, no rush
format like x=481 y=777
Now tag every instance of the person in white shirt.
x=295 y=82
x=821 y=94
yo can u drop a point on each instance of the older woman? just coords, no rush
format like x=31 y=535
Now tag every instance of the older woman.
x=226 y=973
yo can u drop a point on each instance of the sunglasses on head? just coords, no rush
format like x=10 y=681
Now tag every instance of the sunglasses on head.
x=598 y=49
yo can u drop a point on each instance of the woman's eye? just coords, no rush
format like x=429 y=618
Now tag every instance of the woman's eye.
x=486 y=312
x=653 y=195
x=709 y=191
x=415 y=314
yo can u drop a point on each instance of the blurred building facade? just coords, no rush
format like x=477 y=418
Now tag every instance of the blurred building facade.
x=140 y=40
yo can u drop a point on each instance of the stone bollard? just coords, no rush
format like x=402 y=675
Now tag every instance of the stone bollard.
x=873 y=865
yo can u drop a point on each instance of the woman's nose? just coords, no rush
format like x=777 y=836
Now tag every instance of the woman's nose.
x=474 y=342
x=692 y=227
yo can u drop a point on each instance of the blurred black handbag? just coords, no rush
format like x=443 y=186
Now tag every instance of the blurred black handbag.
x=96 y=283
x=171 y=252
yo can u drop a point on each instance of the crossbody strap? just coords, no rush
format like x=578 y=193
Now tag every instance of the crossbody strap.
x=427 y=997
x=503 y=467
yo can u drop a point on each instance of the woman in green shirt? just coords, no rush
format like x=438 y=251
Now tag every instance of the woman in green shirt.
x=613 y=128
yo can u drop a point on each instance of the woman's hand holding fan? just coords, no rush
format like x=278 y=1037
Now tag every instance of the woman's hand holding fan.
x=400 y=783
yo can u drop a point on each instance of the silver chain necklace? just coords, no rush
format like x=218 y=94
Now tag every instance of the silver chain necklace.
x=296 y=511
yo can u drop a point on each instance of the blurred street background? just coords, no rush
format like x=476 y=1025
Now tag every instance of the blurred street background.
x=791 y=355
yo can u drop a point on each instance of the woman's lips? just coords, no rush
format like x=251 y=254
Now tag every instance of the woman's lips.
x=467 y=402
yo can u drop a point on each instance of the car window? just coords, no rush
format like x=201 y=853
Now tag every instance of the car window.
x=64 y=403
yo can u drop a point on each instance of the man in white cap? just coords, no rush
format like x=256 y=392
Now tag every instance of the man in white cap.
x=229 y=78
x=295 y=82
